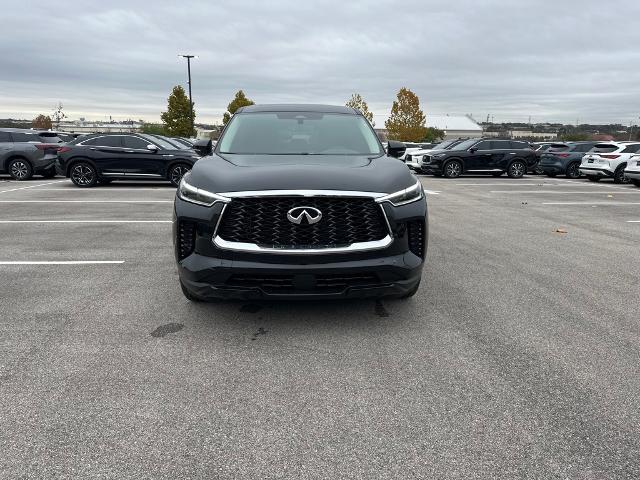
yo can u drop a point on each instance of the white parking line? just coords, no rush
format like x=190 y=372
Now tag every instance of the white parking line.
x=102 y=189
x=31 y=186
x=86 y=201
x=62 y=262
x=595 y=192
x=431 y=192
x=633 y=221
x=85 y=221
x=591 y=203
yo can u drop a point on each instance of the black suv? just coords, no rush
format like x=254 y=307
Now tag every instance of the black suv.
x=24 y=153
x=564 y=158
x=482 y=155
x=103 y=157
x=300 y=201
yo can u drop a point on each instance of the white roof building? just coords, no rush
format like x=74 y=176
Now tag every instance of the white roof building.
x=455 y=126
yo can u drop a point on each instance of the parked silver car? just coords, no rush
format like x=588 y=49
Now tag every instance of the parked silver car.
x=24 y=153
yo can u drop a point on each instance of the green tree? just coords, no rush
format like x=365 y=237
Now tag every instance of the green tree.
x=407 y=121
x=433 y=135
x=359 y=104
x=177 y=119
x=42 y=122
x=240 y=100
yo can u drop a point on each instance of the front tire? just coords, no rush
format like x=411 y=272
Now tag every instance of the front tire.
x=573 y=170
x=452 y=169
x=83 y=175
x=517 y=169
x=618 y=177
x=176 y=172
x=20 y=169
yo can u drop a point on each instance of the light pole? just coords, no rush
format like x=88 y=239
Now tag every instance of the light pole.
x=189 y=57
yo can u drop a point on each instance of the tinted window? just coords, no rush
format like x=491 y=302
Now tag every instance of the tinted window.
x=49 y=137
x=5 y=137
x=135 y=142
x=583 y=147
x=485 y=145
x=294 y=133
x=631 y=149
x=559 y=147
x=465 y=145
x=520 y=145
x=605 y=148
x=501 y=145
x=25 y=137
x=106 y=141
x=174 y=143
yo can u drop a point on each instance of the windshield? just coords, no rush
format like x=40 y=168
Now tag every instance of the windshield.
x=444 y=145
x=299 y=133
x=466 y=144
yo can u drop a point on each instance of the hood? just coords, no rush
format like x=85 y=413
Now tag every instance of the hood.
x=235 y=173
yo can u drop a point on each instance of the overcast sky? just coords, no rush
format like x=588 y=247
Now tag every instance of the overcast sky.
x=559 y=60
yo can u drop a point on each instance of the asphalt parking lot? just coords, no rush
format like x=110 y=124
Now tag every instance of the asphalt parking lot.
x=518 y=358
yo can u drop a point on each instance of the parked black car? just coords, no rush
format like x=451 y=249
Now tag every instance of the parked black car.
x=482 y=155
x=103 y=157
x=24 y=153
x=564 y=158
x=300 y=201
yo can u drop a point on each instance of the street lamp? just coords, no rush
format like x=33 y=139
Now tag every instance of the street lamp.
x=189 y=57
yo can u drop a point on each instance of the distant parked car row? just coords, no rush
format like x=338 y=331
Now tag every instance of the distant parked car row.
x=97 y=158
x=453 y=158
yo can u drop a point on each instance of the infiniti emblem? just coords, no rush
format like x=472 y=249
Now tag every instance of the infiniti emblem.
x=297 y=214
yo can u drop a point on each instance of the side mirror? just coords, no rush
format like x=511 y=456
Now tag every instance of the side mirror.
x=396 y=149
x=203 y=147
x=473 y=149
x=152 y=148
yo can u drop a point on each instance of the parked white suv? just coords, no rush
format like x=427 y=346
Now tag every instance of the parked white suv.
x=415 y=158
x=608 y=160
x=632 y=172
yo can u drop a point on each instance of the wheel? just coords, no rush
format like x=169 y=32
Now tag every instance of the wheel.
x=20 y=169
x=573 y=170
x=452 y=169
x=618 y=177
x=517 y=169
x=49 y=173
x=411 y=292
x=497 y=174
x=83 y=175
x=188 y=295
x=177 y=172
x=593 y=178
x=635 y=182
x=551 y=175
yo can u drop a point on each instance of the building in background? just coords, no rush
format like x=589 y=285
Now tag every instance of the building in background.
x=453 y=126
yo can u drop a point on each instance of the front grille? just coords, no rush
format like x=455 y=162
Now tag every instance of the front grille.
x=407 y=158
x=186 y=240
x=285 y=284
x=415 y=235
x=263 y=221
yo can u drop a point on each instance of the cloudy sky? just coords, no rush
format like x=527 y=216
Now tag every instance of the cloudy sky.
x=560 y=60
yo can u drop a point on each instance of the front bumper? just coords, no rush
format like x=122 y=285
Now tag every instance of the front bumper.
x=44 y=164
x=596 y=172
x=213 y=272
x=208 y=277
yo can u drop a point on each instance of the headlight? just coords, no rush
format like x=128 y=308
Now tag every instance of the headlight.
x=402 y=197
x=189 y=193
